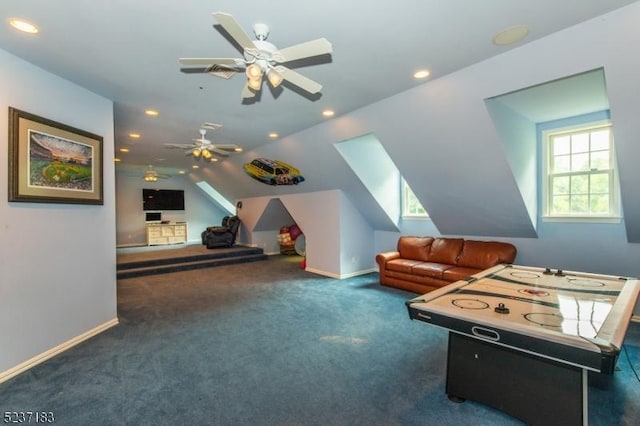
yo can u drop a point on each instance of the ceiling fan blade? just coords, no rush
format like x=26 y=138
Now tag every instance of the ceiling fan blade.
x=299 y=80
x=210 y=61
x=226 y=146
x=321 y=46
x=219 y=152
x=233 y=28
x=178 y=145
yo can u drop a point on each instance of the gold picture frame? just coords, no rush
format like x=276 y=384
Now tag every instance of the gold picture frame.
x=51 y=162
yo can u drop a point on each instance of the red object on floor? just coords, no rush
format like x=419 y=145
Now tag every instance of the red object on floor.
x=303 y=264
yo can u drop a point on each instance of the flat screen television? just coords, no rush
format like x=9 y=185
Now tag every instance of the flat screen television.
x=162 y=199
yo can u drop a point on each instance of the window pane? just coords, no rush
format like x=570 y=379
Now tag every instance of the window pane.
x=560 y=185
x=600 y=204
x=600 y=160
x=600 y=140
x=600 y=183
x=580 y=184
x=580 y=143
x=580 y=203
x=561 y=204
x=561 y=164
x=561 y=145
x=412 y=206
x=580 y=162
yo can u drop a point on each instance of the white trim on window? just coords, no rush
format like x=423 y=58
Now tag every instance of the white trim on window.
x=411 y=206
x=579 y=175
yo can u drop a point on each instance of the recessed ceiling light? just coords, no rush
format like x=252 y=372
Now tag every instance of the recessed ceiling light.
x=151 y=112
x=238 y=149
x=23 y=26
x=116 y=160
x=213 y=159
x=134 y=135
x=511 y=35
x=328 y=113
x=195 y=166
x=124 y=150
x=420 y=74
x=181 y=172
x=273 y=135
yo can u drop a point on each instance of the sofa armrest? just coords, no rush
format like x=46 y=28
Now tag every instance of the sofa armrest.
x=383 y=258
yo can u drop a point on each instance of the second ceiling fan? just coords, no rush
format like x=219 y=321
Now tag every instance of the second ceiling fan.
x=205 y=149
x=261 y=58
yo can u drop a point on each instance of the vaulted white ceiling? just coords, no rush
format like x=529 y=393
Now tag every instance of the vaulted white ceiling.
x=128 y=52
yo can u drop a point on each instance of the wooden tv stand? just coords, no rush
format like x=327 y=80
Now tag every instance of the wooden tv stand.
x=166 y=233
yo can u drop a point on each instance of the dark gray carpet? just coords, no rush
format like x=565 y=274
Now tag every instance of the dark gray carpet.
x=267 y=343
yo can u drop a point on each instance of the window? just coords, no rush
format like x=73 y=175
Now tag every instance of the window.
x=581 y=179
x=411 y=206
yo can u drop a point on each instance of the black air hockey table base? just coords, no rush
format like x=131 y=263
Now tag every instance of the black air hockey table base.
x=531 y=388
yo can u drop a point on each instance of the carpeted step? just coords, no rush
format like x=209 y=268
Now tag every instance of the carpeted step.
x=185 y=264
x=211 y=255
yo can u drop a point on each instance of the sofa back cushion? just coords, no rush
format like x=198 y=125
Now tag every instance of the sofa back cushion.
x=414 y=248
x=485 y=254
x=445 y=250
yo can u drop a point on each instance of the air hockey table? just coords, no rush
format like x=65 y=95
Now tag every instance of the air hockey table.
x=524 y=339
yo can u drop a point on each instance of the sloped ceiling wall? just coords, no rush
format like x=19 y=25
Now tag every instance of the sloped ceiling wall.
x=444 y=142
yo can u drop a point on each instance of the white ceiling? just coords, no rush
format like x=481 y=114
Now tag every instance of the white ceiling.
x=128 y=52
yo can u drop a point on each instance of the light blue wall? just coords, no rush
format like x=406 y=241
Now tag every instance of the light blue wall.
x=199 y=213
x=375 y=169
x=57 y=261
x=356 y=240
x=518 y=137
x=339 y=241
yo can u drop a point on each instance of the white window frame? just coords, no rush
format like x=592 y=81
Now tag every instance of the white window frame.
x=614 y=201
x=406 y=193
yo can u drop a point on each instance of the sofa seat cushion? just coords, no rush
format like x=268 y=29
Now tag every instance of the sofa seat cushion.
x=445 y=250
x=458 y=273
x=402 y=265
x=430 y=269
x=485 y=254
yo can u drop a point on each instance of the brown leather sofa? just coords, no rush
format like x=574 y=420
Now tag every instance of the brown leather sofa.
x=423 y=264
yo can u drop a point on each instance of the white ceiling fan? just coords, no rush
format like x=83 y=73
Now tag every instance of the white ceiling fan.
x=151 y=175
x=261 y=58
x=205 y=149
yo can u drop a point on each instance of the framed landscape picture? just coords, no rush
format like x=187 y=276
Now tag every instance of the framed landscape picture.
x=50 y=162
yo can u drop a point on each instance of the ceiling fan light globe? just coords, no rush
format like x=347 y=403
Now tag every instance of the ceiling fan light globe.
x=275 y=78
x=196 y=153
x=206 y=154
x=254 y=84
x=254 y=72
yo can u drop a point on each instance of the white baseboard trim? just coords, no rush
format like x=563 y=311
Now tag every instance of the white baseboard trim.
x=357 y=273
x=340 y=276
x=30 y=363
